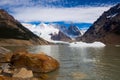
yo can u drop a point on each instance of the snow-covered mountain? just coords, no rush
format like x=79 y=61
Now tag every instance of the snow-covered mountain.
x=43 y=30
x=47 y=31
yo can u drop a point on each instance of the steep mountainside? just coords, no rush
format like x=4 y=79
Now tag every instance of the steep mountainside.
x=13 y=33
x=53 y=31
x=106 y=28
x=71 y=32
x=67 y=34
x=74 y=31
x=60 y=37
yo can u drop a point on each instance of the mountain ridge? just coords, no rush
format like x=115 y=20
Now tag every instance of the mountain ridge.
x=106 y=29
x=12 y=32
x=54 y=31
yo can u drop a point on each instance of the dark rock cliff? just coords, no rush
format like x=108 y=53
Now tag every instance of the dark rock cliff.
x=60 y=37
x=74 y=30
x=106 y=29
x=13 y=33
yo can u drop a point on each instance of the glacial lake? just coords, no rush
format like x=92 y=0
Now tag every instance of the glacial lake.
x=82 y=63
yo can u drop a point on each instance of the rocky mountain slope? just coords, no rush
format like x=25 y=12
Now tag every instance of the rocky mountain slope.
x=74 y=31
x=67 y=34
x=42 y=30
x=13 y=33
x=106 y=29
x=61 y=36
x=51 y=32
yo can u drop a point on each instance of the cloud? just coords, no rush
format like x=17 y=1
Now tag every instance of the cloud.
x=14 y=2
x=52 y=10
x=28 y=3
x=57 y=3
x=79 y=14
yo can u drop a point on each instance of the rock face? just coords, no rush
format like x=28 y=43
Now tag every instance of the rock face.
x=13 y=33
x=67 y=34
x=60 y=37
x=35 y=62
x=106 y=29
x=74 y=31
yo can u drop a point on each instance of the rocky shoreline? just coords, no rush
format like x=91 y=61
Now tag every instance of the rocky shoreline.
x=22 y=65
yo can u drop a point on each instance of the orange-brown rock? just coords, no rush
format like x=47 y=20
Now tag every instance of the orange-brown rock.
x=35 y=62
x=23 y=73
x=5 y=78
x=12 y=78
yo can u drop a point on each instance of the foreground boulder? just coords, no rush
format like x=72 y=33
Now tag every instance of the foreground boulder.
x=11 y=78
x=35 y=62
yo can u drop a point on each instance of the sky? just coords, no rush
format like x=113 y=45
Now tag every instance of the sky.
x=75 y=11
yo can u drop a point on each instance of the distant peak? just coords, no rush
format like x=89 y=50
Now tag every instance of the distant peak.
x=118 y=6
x=43 y=25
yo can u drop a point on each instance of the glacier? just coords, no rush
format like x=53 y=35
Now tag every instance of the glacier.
x=84 y=44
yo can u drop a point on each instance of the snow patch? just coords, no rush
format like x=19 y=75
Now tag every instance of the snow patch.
x=111 y=16
x=118 y=7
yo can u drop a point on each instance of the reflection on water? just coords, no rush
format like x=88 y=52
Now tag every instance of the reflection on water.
x=77 y=63
x=49 y=50
x=84 y=63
